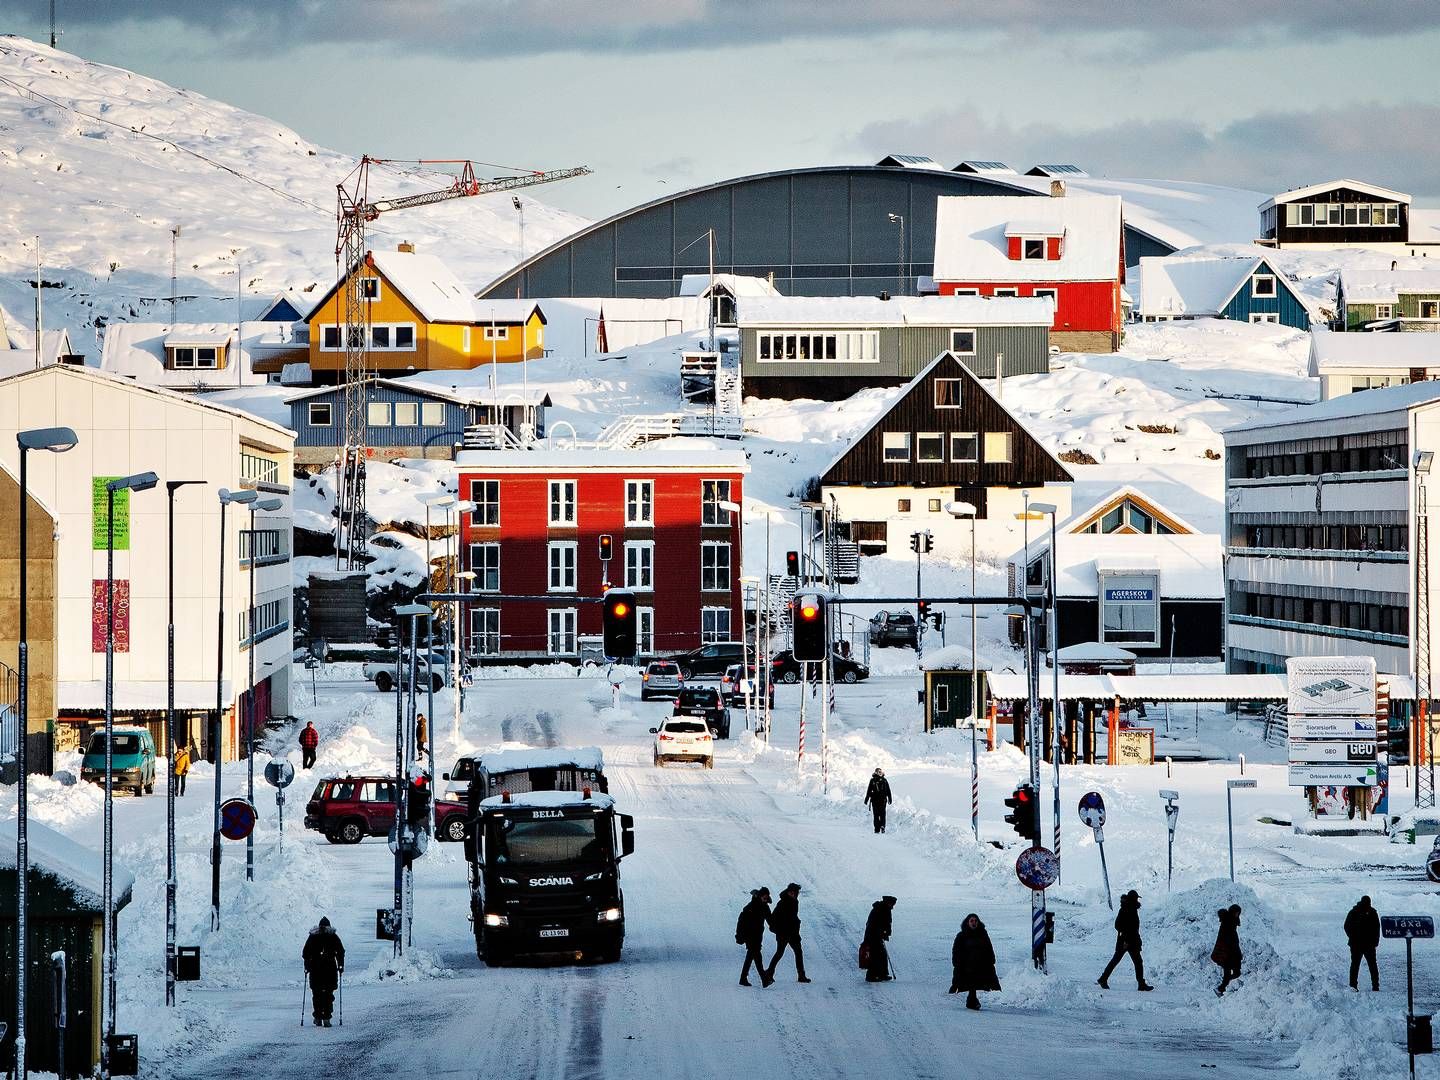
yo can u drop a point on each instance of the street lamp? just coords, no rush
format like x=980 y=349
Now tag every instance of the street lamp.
x=1230 y=786
x=520 y=209
x=899 y=219
x=402 y=798
x=242 y=498
x=57 y=441
x=1053 y=637
x=960 y=511
x=268 y=505
x=1424 y=461
x=136 y=482
x=171 y=486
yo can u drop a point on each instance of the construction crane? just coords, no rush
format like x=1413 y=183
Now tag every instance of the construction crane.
x=354 y=209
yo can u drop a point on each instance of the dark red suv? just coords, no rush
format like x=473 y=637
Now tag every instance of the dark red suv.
x=349 y=808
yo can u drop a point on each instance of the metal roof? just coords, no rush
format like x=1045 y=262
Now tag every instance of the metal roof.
x=1057 y=170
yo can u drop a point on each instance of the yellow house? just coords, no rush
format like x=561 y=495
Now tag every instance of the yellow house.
x=421 y=318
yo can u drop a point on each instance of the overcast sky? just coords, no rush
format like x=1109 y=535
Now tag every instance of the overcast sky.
x=660 y=95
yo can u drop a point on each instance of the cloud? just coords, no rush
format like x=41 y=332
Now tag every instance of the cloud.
x=1392 y=145
x=483 y=27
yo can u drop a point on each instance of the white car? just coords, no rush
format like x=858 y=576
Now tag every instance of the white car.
x=684 y=738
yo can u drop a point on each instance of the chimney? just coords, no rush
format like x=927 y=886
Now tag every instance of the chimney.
x=884 y=295
x=1057 y=189
x=406 y=246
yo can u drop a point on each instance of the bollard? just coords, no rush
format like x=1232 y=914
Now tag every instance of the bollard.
x=1242 y=764
x=1168 y=763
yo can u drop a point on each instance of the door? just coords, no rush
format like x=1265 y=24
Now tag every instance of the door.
x=377 y=805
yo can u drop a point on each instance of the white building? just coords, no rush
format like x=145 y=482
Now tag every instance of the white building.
x=125 y=428
x=199 y=357
x=1345 y=363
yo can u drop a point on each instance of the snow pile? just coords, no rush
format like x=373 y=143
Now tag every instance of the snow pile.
x=417 y=965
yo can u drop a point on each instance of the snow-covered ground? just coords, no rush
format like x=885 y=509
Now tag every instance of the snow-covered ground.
x=671 y=1007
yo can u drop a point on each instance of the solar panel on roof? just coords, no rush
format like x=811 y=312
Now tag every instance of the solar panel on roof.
x=1058 y=170
x=918 y=161
x=983 y=167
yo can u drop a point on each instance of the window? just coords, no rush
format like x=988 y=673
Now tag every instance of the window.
x=930 y=446
x=321 y=414
x=268 y=545
x=377 y=791
x=1262 y=285
x=902 y=506
x=562 y=632
x=947 y=393
x=370 y=288
x=497 y=333
x=189 y=357
x=407 y=414
x=640 y=564
x=966 y=292
x=485 y=562
x=264 y=620
x=1384 y=311
x=1130 y=609
x=1007 y=292
x=1032 y=249
x=485 y=494
x=1306 y=217
x=714 y=624
x=645 y=630
x=562 y=566
x=714 y=566
x=964 y=447
x=258 y=469
x=639 y=502
x=896 y=446
x=997 y=446
x=485 y=631
x=856 y=346
x=962 y=342
x=329 y=339
x=377 y=414
x=562 y=502
x=934 y=506
x=942 y=698
x=1264 y=317
x=432 y=414
x=380 y=337
x=1351 y=214
x=1430 y=309
x=405 y=338
x=1052 y=295
x=712 y=494
x=465 y=339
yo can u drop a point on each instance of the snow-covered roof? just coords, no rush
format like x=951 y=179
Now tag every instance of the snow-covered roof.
x=1385 y=286
x=296 y=374
x=970 y=237
x=897 y=311
x=136 y=350
x=512 y=312
x=428 y=284
x=1367 y=404
x=1331 y=351
x=1296 y=194
x=1185 y=285
x=1095 y=652
x=1118 y=494
x=80 y=869
x=53 y=345
x=581 y=757
x=1010 y=686
x=598 y=800
x=677 y=454
x=1424 y=225
x=738 y=284
x=397 y=385
x=199 y=336
x=1189 y=565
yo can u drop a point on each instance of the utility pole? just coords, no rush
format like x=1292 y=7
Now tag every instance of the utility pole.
x=54 y=37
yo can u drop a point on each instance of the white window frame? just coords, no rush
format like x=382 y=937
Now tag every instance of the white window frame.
x=326 y=330
x=407 y=409
x=1384 y=311
x=1053 y=295
x=711 y=512
x=640 y=565
x=381 y=408
x=1007 y=292
x=974 y=341
x=942 y=699
x=709 y=551
x=896 y=441
x=993 y=439
x=1255 y=292
x=1265 y=317
x=960 y=393
x=496 y=333
x=640 y=503
x=1044 y=249
x=966 y=292
x=561 y=629
x=644 y=631
x=393 y=329
x=370 y=288
x=937 y=436
x=481 y=566
x=477 y=518
x=328 y=406
x=562 y=561
x=558 y=505
x=482 y=636
x=818 y=346
x=955 y=458
x=1432 y=305
x=712 y=634
x=432 y=414
x=465 y=339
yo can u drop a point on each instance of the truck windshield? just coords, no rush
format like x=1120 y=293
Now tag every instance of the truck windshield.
x=464 y=769
x=555 y=840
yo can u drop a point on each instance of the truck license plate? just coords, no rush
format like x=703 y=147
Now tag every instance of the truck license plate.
x=555 y=933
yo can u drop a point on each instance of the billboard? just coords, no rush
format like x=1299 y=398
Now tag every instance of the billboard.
x=1331 y=686
x=98 y=621
x=99 y=510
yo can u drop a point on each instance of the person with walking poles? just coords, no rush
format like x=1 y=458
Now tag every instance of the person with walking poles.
x=750 y=932
x=785 y=923
x=1362 y=928
x=182 y=768
x=309 y=740
x=420 y=733
x=973 y=959
x=877 y=797
x=875 y=953
x=1227 y=947
x=324 y=957
x=1127 y=940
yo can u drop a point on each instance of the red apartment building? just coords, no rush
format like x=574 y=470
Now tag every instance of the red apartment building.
x=1068 y=248
x=536 y=528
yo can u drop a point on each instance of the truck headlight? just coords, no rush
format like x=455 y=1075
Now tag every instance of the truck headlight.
x=609 y=915
x=496 y=920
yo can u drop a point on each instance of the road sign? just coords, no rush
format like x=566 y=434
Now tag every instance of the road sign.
x=1092 y=809
x=1328 y=752
x=1334 y=775
x=1037 y=868
x=279 y=773
x=237 y=819
x=1339 y=728
x=413 y=844
x=1407 y=926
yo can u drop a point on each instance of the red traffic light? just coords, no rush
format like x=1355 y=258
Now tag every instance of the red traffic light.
x=809 y=611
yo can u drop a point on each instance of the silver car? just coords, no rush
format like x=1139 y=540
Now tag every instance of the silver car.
x=661 y=679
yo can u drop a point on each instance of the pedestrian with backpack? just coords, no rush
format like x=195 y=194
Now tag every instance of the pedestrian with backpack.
x=750 y=932
x=877 y=797
x=1227 y=947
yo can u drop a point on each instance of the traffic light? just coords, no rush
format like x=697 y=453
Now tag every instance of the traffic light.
x=619 y=607
x=923 y=607
x=808 y=621
x=915 y=542
x=792 y=563
x=607 y=547
x=1025 y=812
x=417 y=802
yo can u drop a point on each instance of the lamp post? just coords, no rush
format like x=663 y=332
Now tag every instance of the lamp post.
x=402 y=795
x=899 y=219
x=135 y=482
x=520 y=209
x=251 y=624
x=243 y=498
x=57 y=441
x=959 y=510
x=1053 y=637
x=1423 y=462
x=171 y=486
x=457 y=633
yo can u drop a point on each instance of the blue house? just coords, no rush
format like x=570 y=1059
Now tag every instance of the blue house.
x=1242 y=289
x=402 y=420
x=287 y=307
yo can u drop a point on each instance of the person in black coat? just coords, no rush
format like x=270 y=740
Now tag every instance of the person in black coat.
x=877 y=933
x=750 y=932
x=1127 y=940
x=1362 y=929
x=324 y=956
x=877 y=797
x=973 y=958
x=785 y=923
x=1227 y=946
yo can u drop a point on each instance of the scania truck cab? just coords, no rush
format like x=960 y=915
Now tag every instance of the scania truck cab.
x=545 y=875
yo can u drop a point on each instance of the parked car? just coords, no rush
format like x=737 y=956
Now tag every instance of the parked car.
x=661 y=679
x=347 y=809
x=382 y=673
x=132 y=760
x=710 y=660
x=732 y=687
x=684 y=738
x=785 y=668
x=893 y=628
x=706 y=703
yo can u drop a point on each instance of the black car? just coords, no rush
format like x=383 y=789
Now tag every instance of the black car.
x=893 y=628
x=710 y=660
x=704 y=702
x=785 y=668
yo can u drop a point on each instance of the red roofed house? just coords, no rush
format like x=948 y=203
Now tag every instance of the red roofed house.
x=1070 y=249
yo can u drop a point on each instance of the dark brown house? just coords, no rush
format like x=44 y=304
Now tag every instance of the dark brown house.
x=946 y=439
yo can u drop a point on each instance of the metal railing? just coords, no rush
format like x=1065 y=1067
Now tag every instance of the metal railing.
x=9 y=713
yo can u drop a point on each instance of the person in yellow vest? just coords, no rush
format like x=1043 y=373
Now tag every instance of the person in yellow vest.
x=182 y=768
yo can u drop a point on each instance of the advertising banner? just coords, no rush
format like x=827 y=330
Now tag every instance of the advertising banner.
x=1332 y=728
x=1331 y=686
x=98 y=620
x=99 y=508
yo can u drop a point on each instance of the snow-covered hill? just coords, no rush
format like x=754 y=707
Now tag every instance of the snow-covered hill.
x=101 y=163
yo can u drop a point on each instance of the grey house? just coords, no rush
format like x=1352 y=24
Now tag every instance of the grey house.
x=830 y=347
